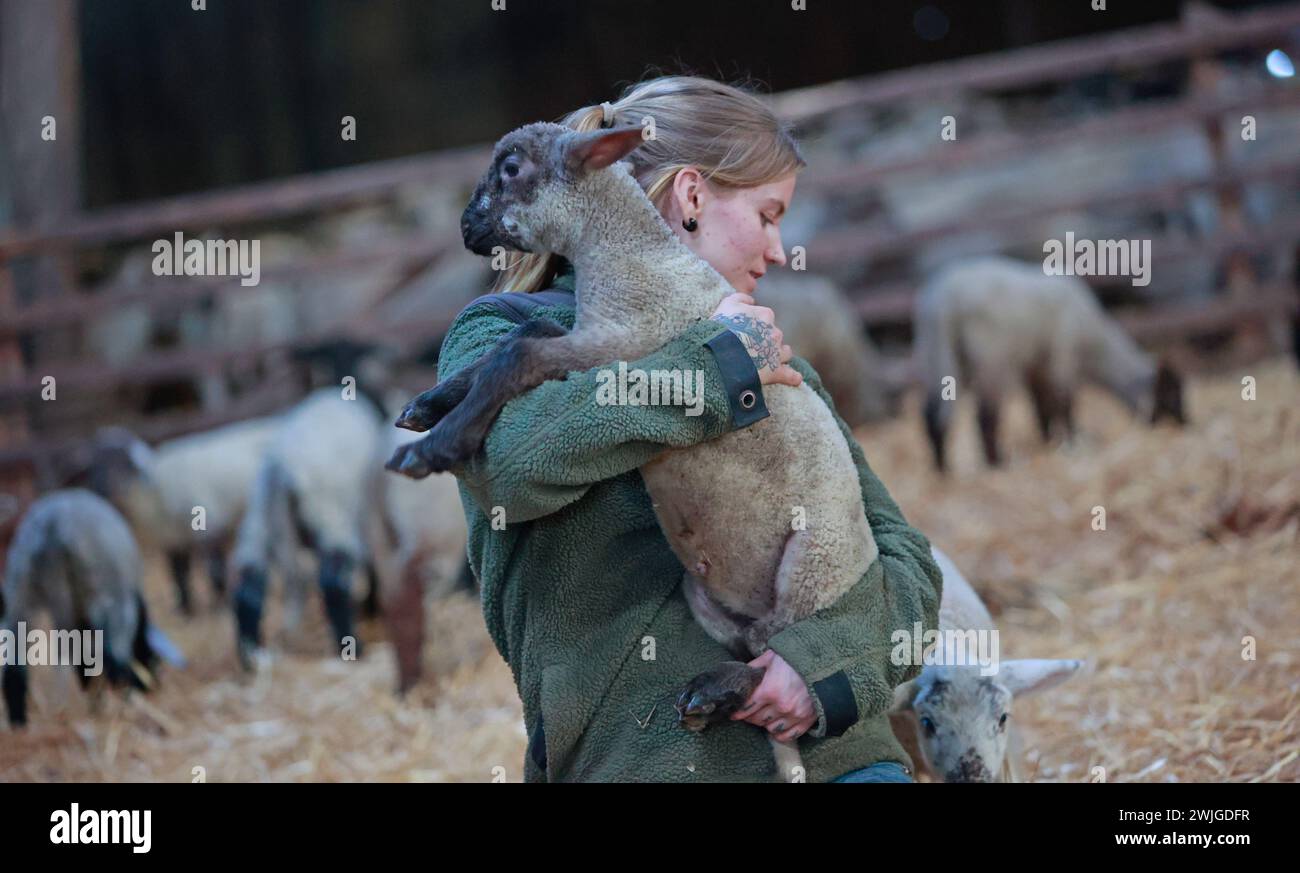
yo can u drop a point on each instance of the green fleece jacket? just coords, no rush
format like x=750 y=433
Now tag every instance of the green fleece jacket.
x=582 y=593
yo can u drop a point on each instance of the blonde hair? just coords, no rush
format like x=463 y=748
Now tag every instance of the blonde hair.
x=725 y=131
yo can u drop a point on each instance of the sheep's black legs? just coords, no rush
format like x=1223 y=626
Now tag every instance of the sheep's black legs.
x=988 y=421
x=430 y=407
x=15 y=692
x=335 y=573
x=530 y=355
x=217 y=570
x=248 y=613
x=935 y=429
x=370 y=606
x=1045 y=403
x=180 y=562
x=714 y=695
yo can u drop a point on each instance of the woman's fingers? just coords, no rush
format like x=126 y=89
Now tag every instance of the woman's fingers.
x=793 y=733
x=786 y=375
x=786 y=353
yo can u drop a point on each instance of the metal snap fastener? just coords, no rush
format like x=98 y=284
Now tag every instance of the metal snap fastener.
x=748 y=399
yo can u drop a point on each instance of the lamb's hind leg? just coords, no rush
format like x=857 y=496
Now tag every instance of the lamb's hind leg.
x=715 y=694
x=430 y=407
x=515 y=367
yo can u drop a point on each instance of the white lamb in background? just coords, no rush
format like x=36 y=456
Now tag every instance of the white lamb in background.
x=417 y=536
x=956 y=723
x=312 y=490
x=73 y=557
x=992 y=322
x=822 y=326
x=185 y=496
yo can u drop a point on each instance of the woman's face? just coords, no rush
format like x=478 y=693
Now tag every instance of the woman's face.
x=739 y=231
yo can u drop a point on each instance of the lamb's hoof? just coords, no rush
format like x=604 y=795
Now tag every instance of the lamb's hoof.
x=431 y=407
x=415 y=418
x=714 y=695
x=408 y=461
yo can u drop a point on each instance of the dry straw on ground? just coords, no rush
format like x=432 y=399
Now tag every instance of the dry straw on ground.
x=1200 y=551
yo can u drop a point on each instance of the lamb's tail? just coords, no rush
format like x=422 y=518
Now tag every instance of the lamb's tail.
x=935 y=363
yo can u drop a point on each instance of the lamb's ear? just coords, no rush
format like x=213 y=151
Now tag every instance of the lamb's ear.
x=1036 y=674
x=597 y=149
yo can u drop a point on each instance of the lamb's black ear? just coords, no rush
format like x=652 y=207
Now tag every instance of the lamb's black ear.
x=597 y=149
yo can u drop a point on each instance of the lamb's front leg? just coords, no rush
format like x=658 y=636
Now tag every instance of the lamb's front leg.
x=513 y=368
x=429 y=407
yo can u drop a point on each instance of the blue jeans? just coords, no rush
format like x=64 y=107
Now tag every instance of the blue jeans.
x=883 y=771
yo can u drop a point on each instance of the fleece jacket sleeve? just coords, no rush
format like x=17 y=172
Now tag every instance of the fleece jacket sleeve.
x=549 y=445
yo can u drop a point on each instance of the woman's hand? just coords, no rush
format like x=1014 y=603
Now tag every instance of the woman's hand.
x=781 y=703
x=756 y=327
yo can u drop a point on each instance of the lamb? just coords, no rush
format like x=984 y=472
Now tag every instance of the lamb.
x=159 y=491
x=418 y=535
x=311 y=491
x=823 y=328
x=73 y=555
x=952 y=720
x=989 y=322
x=748 y=574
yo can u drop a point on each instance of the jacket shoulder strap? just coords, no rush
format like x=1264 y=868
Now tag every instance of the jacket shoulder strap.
x=519 y=307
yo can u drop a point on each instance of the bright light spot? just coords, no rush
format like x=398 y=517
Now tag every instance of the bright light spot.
x=1279 y=65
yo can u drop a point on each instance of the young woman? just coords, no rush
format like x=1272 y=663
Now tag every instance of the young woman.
x=581 y=592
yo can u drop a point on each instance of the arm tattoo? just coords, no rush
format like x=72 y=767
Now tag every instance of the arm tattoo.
x=757 y=337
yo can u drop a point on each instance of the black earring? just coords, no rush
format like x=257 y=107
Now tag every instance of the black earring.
x=691 y=225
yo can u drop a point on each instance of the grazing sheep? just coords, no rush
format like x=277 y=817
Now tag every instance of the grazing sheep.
x=73 y=555
x=824 y=329
x=748 y=574
x=991 y=322
x=418 y=535
x=160 y=490
x=954 y=721
x=311 y=491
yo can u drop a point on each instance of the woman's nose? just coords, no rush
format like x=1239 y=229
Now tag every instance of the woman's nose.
x=776 y=254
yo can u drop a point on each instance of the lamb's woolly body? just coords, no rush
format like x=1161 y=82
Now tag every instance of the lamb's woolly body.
x=316 y=472
x=73 y=555
x=991 y=322
x=214 y=470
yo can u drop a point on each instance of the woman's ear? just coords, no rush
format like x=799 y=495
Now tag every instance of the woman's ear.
x=688 y=192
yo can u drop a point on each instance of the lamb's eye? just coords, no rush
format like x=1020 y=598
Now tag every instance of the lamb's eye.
x=928 y=725
x=1002 y=722
x=510 y=168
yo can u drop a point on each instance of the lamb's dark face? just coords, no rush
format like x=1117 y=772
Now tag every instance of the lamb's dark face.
x=503 y=203
x=526 y=201
x=963 y=720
